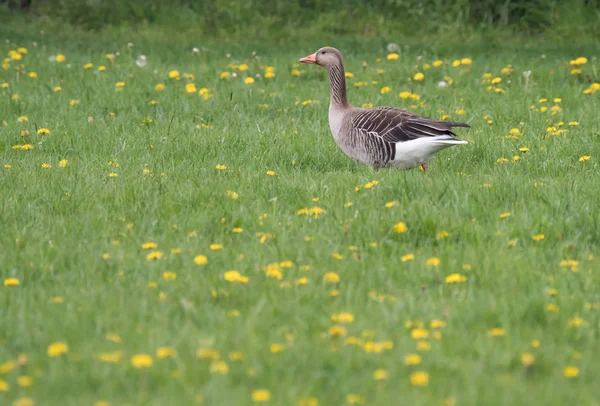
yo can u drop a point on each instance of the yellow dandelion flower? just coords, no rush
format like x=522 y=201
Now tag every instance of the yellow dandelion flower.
x=571 y=372
x=527 y=359
x=200 y=260
x=154 y=255
x=57 y=349
x=331 y=277
x=419 y=378
x=496 y=332
x=190 y=88
x=381 y=375
x=337 y=331
x=216 y=247
x=60 y=58
x=249 y=80
x=63 y=163
x=455 y=278
x=400 y=227
x=159 y=87
x=437 y=63
x=141 y=361
x=419 y=77
x=466 y=61
x=538 y=237
x=392 y=56
x=412 y=359
x=504 y=215
x=407 y=257
x=584 y=158
x=43 y=131
x=88 y=66
x=433 y=261
x=261 y=395
x=343 y=317
x=385 y=89
x=11 y=282
x=174 y=74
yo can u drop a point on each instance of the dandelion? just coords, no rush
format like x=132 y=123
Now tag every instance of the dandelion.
x=400 y=227
x=216 y=247
x=412 y=359
x=466 y=61
x=456 y=278
x=249 y=80
x=101 y=68
x=11 y=282
x=419 y=77
x=154 y=255
x=190 y=88
x=407 y=257
x=159 y=87
x=88 y=66
x=141 y=361
x=43 y=131
x=174 y=74
x=433 y=261
x=261 y=395
x=392 y=56
x=343 y=317
x=200 y=260
x=571 y=372
x=63 y=163
x=271 y=173
x=149 y=245
x=538 y=237
x=584 y=158
x=385 y=89
x=235 y=276
x=496 y=332
x=380 y=375
x=442 y=234
x=57 y=349
x=169 y=276
x=527 y=359
x=504 y=215
x=337 y=331
x=22 y=119
x=331 y=277
x=419 y=378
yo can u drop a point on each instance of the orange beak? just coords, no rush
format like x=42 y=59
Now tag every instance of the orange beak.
x=309 y=59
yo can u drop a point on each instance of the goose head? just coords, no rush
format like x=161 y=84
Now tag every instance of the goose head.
x=325 y=57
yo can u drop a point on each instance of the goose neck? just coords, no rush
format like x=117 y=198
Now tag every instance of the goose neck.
x=337 y=82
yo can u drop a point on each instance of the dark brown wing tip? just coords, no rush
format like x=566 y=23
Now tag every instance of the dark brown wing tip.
x=456 y=124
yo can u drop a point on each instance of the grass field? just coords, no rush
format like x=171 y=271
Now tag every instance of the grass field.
x=475 y=283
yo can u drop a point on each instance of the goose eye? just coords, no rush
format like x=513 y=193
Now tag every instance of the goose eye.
x=322 y=52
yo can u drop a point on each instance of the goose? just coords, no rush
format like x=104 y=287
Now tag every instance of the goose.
x=380 y=136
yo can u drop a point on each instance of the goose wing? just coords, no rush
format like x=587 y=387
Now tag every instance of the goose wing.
x=396 y=125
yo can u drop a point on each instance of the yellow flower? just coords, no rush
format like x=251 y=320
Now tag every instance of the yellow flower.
x=224 y=75
x=584 y=158
x=433 y=261
x=57 y=349
x=23 y=402
x=385 y=89
x=349 y=74
x=141 y=361
x=504 y=215
x=238 y=230
x=419 y=378
x=101 y=68
x=551 y=307
x=216 y=247
x=190 y=88
x=538 y=237
x=43 y=131
x=380 y=374
x=221 y=167
x=337 y=331
x=174 y=74
x=169 y=276
x=149 y=245
x=159 y=87
x=437 y=324
x=527 y=359
x=63 y=163
x=88 y=66
x=400 y=227
x=73 y=102
x=154 y=255
x=466 y=61
x=496 y=332
x=249 y=80
x=393 y=56
x=296 y=72
x=579 y=61
x=343 y=317
x=331 y=277
x=200 y=260
x=456 y=63
x=261 y=395
x=22 y=119
x=571 y=372
x=437 y=63
x=269 y=75
x=4 y=386
x=271 y=173
x=11 y=282
x=456 y=278
x=442 y=234
x=60 y=58
x=419 y=77
x=419 y=333
x=120 y=85
x=235 y=276
x=412 y=359
x=24 y=381
x=354 y=399
x=407 y=257
x=232 y=195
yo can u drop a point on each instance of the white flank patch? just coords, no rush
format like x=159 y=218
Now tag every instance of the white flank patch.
x=415 y=152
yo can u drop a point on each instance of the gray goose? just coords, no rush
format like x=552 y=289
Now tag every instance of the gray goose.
x=380 y=136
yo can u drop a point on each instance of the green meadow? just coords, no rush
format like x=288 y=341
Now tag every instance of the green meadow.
x=184 y=231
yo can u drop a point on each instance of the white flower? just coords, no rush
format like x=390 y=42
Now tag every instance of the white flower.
x=196 y=51
x=442 y=83
x=52 y=58
x=391 y=47
x=527 y=73
x=141 y=61
x=129 y=44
